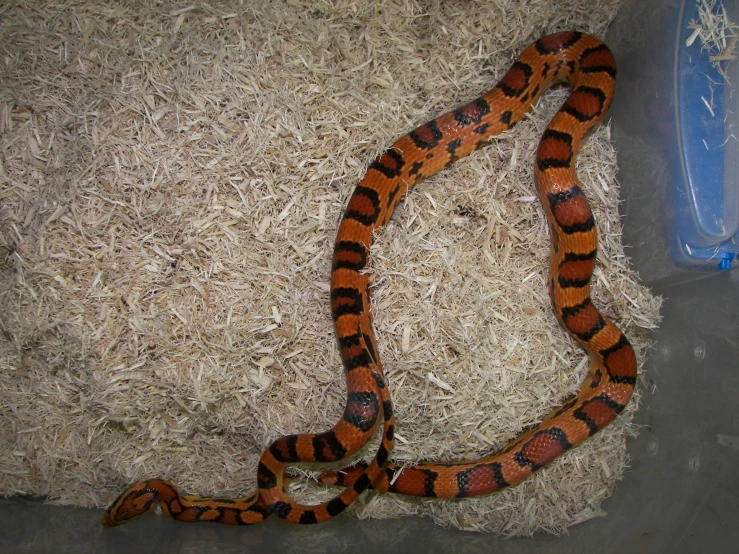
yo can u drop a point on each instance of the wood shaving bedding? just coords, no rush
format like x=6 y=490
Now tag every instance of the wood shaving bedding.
x=171 y=181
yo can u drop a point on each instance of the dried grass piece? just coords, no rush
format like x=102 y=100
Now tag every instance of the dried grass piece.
x=171 y=185
x=718 y=34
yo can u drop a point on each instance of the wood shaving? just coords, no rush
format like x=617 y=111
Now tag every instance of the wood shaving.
x=718 y=34
x=171 y=182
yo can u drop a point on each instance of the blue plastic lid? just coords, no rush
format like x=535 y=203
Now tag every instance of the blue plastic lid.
x=706 y=199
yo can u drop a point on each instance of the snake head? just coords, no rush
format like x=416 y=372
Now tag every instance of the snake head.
x=134 y=502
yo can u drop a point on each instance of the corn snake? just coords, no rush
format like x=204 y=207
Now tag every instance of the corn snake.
x=589 y=68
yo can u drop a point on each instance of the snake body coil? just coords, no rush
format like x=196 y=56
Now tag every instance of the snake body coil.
x=588 y=67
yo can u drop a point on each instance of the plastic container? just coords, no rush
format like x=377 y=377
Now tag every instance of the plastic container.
x=706 y=195
x=682 y=491
x=675 y=122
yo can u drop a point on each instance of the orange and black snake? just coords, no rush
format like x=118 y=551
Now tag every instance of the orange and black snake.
x=589 y=68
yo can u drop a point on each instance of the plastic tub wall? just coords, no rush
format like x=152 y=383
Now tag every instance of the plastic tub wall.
x=681 y=493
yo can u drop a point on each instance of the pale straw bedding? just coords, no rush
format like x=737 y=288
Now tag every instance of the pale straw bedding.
x=171 y=181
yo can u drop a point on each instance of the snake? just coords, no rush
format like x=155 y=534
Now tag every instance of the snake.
x=588 y=67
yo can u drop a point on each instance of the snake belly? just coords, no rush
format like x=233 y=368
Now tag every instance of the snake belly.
x=589 y=68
